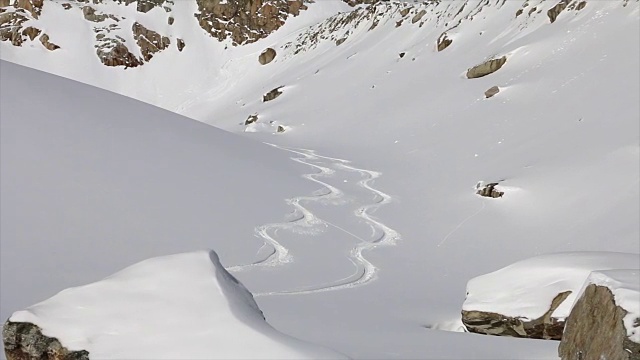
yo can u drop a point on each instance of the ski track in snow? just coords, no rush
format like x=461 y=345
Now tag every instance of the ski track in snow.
x=365 y=270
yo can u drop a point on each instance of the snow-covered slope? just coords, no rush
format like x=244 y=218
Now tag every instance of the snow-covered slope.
x=177 y=306
x=561 y=138
x=93 y=182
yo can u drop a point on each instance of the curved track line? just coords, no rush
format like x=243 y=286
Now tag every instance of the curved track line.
x=460 y=225
x=304 y=219
x=365 y=270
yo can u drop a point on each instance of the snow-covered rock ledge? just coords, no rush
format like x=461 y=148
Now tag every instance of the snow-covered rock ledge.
x=533 y=298
x=605 y=320
x=172 y=307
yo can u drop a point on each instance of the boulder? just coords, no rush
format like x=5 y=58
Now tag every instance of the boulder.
x=492 y=91
x=272 y=94
x=444 y=41
x=601 y=324
x=25 y=341
x=267 y=56
x=251 y=119
x=486 y=68
x=489 y=190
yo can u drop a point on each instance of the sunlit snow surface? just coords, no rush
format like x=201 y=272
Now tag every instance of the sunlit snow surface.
x=177 y=306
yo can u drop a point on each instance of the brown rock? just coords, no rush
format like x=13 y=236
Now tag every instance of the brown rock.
x=118 y=55
x=486 y=68
x=491 y=92
x=544 y=327
x=271 y=95
x=519 y=12
x=418 y=16
x=25 y=341
x=594 y=330
x=267 y=56
x=89 y=14
x=443 y=41
x=556 y=10
x=180 y=44
x=44 y=39
x=32 y=6
x=31 y=32
x=66 y=6
x=170 y=20
x=490 y=191
x=149 y=41
x=245 y=21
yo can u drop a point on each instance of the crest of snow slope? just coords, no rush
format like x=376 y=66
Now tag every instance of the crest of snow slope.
x=177 y=306
x=92 y=181
x=525 y=289
x=625 y=286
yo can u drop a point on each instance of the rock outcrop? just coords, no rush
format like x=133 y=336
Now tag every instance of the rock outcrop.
x=544 y=327
x=595 y=329
x=491 y=92
x=486 y=68
x=25 y=341
x=149 y=41
x=245 y=21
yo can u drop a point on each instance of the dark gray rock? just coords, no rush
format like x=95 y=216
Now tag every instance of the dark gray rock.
x=25 y=341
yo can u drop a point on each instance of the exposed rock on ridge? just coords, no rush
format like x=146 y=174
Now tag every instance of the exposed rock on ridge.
x=25 y=341
x=245 y=21
x=544 y=327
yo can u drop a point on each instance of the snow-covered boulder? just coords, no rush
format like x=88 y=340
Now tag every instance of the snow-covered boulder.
x=532 y=298
x=614 y=333
x=178 y=306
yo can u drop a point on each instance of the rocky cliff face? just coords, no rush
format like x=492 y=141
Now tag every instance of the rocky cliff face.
x=595 y=329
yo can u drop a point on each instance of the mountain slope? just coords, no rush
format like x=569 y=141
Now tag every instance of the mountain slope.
x=371 y=85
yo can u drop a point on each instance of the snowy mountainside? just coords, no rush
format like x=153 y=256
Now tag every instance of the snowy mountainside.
x=560 y=137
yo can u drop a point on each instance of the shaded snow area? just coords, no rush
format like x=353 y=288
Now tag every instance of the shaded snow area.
x=625 y=286
x=177 y=306
x=526 y=288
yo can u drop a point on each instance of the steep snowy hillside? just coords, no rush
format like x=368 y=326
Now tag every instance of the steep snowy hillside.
x=385 y=105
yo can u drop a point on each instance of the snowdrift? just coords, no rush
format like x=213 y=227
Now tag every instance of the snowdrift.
x=177 y=306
